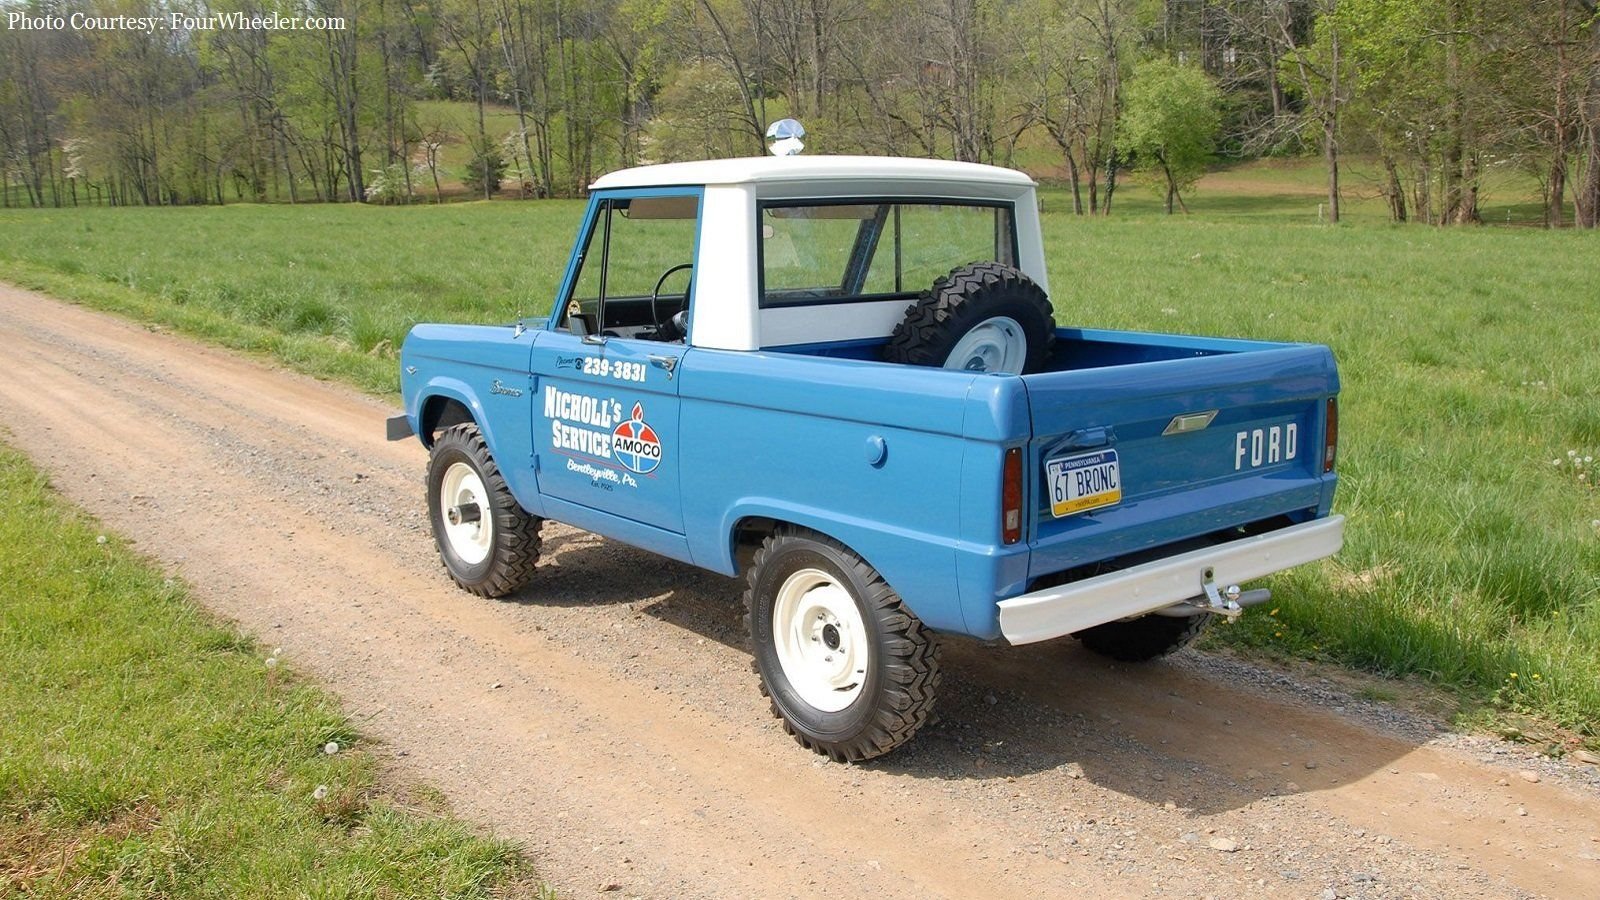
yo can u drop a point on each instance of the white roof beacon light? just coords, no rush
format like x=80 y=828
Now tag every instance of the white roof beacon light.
x=785 y=135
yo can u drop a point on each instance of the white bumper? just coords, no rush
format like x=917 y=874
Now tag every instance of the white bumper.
x=1057 y=611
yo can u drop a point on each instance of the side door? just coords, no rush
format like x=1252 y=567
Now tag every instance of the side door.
x=606 y=405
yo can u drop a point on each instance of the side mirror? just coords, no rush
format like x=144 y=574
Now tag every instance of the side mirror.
x=580 y=325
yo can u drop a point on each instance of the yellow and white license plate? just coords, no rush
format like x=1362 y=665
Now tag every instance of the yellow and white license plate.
x=1084 y=482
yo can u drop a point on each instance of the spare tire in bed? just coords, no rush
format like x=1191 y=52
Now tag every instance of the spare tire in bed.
x=982 y=317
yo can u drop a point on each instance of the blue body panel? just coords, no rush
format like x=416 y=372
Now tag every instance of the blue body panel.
x=485 y=369
x=795 y=438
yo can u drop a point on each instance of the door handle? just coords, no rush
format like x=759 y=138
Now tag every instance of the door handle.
x=669 y=364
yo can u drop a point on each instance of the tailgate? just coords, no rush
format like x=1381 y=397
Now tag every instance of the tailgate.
x=1125 y=458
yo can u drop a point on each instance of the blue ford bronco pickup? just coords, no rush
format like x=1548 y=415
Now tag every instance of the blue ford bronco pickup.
x=842 y=378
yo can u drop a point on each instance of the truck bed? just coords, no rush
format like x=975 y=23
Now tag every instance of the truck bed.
x=1249 y=459
x=1076 y=348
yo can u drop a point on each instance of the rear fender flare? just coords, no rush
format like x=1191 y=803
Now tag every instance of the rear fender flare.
x=862 y=538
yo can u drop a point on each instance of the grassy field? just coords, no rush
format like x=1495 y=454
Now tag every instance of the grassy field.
x=1471 y=386
x=148 y=751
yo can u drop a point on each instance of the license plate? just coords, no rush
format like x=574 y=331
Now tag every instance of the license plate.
x=1081 y=483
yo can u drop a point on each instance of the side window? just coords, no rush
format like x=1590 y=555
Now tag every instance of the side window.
x=924 y=241
x=636 y=270
x=846 y=251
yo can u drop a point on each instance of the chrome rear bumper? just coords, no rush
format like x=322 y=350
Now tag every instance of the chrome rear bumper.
x=1062 y=610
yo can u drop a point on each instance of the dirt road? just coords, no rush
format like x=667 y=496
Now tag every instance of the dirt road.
x=607 y=716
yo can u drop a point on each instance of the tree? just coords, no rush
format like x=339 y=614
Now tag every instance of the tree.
x=469 y=27
x=1068 y=62
x=698 y=116
x=1302 y=46
x=1426 y=92
x=1170 y=124
x=1588 y=193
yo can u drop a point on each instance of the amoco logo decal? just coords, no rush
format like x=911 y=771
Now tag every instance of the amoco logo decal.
x=634 y=443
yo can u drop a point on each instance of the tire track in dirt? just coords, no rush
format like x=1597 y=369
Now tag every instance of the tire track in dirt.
x=607 y=718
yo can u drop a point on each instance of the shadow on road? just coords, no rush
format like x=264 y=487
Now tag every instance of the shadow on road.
x=1169 y=731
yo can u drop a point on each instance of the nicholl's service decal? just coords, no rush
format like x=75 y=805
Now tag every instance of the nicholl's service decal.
x=592 y=427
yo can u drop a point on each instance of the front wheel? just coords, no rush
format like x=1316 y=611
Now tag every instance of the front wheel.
x=849 y=670
x=488 y=542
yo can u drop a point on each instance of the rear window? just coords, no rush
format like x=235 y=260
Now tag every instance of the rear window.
x=874 y=250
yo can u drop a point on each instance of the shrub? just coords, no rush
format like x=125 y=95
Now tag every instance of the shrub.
x=389 y=186
x=483 y=173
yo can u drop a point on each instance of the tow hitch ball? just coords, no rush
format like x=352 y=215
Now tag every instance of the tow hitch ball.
x=1228 y=602
x=460 y=515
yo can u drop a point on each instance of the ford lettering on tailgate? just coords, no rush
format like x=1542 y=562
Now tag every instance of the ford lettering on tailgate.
x=1081 y=483
x=1265 y=446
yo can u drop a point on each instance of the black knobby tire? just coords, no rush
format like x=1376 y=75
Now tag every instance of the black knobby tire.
x=513 y=540
x=1144 y=638
x=897 y=691
x=968 y=297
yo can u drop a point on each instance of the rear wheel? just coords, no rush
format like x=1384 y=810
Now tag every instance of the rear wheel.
x=849 y=670
x=489 y=544
x=1144 y=638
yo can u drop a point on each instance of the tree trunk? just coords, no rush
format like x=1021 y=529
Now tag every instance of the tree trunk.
x=1467 y=213
x=753 y=119
x=1393 y=192
x=1556 y=190
x=1588 y=195
x=1111 y=180
x=1330 y=130
x=1555 y=200
x=1077 y=189
x=513 y=48
x=1094 y=181
x=1423 y=201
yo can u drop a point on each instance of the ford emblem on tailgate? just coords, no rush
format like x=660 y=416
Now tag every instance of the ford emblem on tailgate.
x=1190 y=422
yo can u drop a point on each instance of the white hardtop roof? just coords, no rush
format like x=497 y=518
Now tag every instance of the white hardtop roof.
x=772 y=169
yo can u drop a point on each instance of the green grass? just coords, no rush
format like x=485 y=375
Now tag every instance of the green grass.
x=1466 y=354
x=328 y=289
x=146 y=751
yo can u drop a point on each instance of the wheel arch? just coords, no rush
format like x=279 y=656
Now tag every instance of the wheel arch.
x=440 y=412
x=912 y=567
x=445 y=402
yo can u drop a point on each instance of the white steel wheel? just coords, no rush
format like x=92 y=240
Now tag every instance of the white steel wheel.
x=993 y=345
x=469 y=520
x=821 y=641
x=848 y=667
x=488 y=543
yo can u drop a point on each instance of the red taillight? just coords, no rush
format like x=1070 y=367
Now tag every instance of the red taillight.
x=1011 y=497
x=1330 y=442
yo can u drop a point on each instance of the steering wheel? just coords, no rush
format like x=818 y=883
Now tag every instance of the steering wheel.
x=655 y=295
